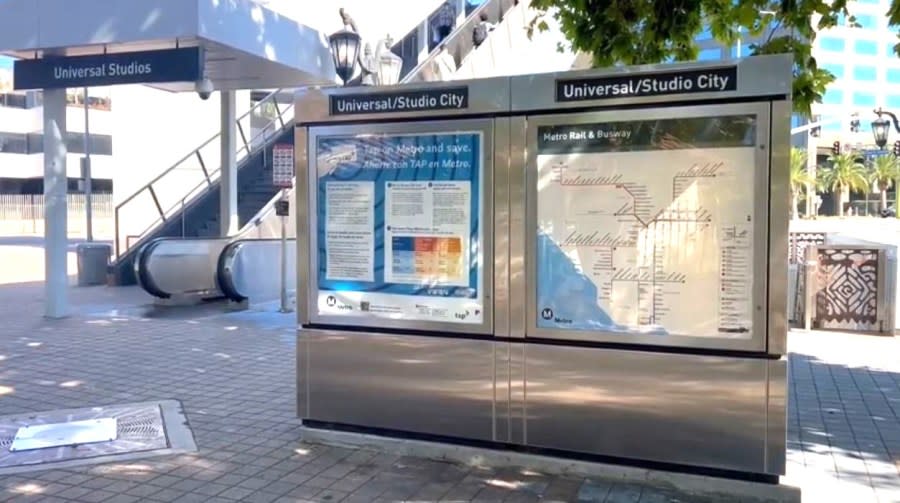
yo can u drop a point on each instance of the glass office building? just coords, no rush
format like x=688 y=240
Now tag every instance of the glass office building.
x=867 y=73
x=866 y=70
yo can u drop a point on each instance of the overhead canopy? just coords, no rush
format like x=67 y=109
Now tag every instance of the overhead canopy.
x=246 y=45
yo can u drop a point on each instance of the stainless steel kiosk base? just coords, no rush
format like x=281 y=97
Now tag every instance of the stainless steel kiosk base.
x=704 y=411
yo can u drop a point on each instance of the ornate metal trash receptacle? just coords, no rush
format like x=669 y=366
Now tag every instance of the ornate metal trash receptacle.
x=851 y=288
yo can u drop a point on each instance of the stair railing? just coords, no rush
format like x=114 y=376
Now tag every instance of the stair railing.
x=159 y=200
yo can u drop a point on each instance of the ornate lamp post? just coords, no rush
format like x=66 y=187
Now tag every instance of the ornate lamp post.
x=345 y=51
x=881 y=127
x=389 y=65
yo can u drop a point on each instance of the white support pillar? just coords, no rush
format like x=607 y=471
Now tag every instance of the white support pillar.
x=56 y=241
x=422 y=39
x=228 y=201
x=812 y=148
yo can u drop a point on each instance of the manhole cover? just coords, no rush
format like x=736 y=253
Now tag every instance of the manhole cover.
x=70 y=433
x=55 y=439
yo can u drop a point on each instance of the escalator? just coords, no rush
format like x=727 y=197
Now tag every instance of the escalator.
x=245 y=267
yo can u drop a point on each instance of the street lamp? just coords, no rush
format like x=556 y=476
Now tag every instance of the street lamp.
x=345 y=51
x=881 y=127
x=389 y=65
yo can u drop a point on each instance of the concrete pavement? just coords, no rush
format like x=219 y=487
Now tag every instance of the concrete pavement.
x=234 y=374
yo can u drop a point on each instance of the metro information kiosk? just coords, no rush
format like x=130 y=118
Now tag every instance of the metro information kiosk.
x=586 y=262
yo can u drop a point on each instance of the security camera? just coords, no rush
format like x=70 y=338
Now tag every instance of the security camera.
x=204 y=88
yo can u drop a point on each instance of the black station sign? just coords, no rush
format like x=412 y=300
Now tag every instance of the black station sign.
x=168 y=65
x=713 y=80
x=455 y=98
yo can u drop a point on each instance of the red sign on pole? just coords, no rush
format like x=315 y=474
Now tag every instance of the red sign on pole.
x=283 y=165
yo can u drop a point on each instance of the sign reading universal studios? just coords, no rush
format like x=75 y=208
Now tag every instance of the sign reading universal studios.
x=711 y=80
x=168 y=65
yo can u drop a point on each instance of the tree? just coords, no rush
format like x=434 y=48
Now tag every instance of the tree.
x=799 y=179
x=884 y=173
x=845 y=175
x=654 y=31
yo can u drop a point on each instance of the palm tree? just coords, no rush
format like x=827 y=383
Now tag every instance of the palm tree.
x=885 y=172
x=799 y=178
x=845 y=175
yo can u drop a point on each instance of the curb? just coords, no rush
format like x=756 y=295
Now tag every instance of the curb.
x=713 y=488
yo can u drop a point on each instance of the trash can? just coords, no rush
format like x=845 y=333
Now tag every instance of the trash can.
x=92 y=261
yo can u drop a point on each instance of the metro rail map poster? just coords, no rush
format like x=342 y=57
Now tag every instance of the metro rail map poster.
x=398 y=226
x=646 y=226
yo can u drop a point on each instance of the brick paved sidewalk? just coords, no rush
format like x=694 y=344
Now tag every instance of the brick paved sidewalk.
x=234 y=374
x=844 y=417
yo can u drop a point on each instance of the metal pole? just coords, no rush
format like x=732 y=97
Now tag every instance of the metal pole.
x=284 y=296
x=88 y=207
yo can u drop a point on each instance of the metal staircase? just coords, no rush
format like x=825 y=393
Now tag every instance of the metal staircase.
x=162 y=207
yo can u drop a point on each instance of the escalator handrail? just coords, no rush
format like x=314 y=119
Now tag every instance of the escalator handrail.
x=142 y=272
x=144 y=278
x=225 y=266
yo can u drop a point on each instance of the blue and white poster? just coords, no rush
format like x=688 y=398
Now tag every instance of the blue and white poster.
x=398 y=227
x=646 y=227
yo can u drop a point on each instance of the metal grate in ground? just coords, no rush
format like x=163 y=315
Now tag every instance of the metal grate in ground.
x=143 y=429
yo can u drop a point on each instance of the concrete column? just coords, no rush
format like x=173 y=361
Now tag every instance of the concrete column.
x=56 y=240
x=228 y=202
x=422 y=39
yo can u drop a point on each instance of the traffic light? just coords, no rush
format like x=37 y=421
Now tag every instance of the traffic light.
x=897 y=148
x=836 y=148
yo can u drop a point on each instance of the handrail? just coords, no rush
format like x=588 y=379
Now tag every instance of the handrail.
x=140 y=270
x=225 y=265
x=244 y=147
x=147 y=281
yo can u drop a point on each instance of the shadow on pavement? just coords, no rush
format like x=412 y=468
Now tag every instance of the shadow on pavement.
x=845 y=419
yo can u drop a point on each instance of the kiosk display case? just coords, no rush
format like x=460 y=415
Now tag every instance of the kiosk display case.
x=586 y=262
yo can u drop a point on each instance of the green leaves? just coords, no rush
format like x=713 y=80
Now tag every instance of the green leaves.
x=653 y=31
x=799 y=171
x=885 y=170
x=845 y=173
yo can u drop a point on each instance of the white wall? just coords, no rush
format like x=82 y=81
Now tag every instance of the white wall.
x=153 y=130
x=32 y=166
x=373 y=18
x=19 y=120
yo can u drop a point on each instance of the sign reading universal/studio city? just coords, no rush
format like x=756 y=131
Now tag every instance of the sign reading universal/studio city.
x=169 y=65
x=456 y=98
x=627 y=86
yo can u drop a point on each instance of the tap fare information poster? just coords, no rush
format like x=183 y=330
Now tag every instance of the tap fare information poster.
x=398 y=226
